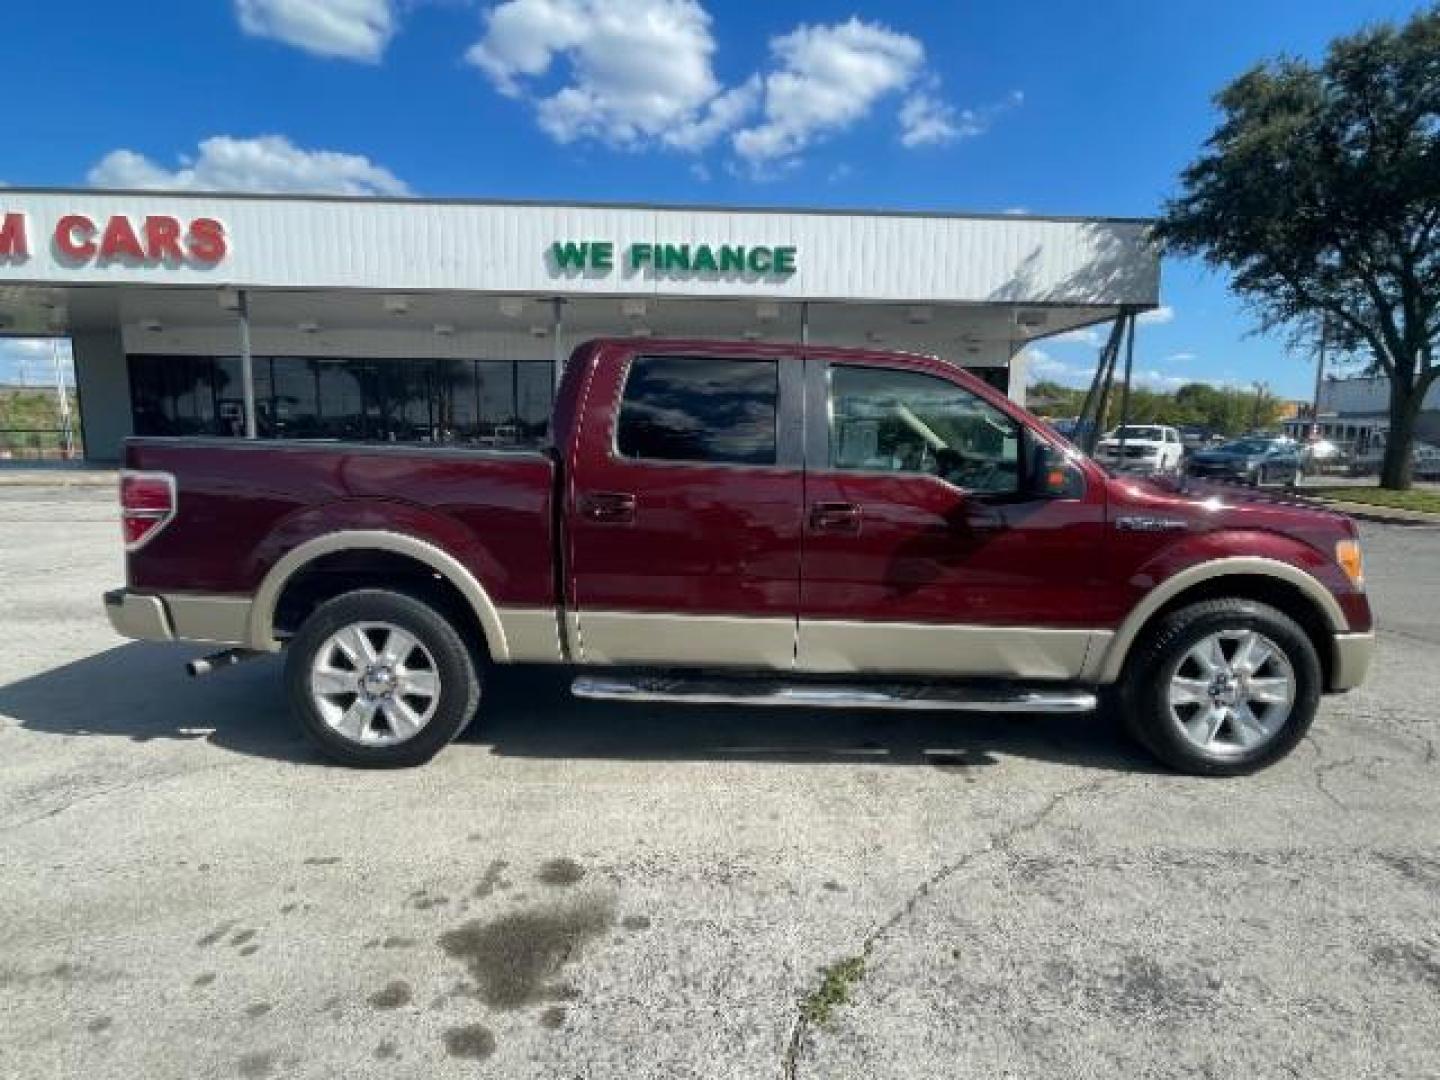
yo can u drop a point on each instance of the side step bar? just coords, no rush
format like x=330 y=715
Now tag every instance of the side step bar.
x=1001 y=699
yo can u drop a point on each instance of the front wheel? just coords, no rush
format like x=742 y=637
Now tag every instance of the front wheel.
x=1222 y=688
x=380 y=679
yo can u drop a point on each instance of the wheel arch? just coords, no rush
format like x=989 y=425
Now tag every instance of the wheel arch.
x=1287 y=588
x=261 y=625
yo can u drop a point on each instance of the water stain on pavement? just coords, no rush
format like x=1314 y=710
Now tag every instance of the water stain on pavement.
x=258 y=1009
x=99 y=1024
x=206 y=940
x=240 y=937
x=636 y=922
x=553 y=1017
x=322 y=860
x=386 y=1051
x=205 y=978
x=256 y=1064
x=472 y=1041
x=514 y=958
x=492 y=879
x=392 y=995
x=560 y=872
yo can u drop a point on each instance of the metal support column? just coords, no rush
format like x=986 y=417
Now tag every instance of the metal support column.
x=1125 y=389
x=62 y=399
x=804 y=322
x=557 y=346
x=1092 y=413
x=247 y=363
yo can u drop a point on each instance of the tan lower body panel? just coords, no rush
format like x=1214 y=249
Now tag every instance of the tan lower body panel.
x=532 y=635
x=222 y=620
x=939 y=649
x=615 y=637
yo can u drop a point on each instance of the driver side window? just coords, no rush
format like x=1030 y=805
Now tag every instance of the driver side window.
x=889 y=420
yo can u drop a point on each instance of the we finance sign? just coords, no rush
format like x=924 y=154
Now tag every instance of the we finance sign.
x=691 y=260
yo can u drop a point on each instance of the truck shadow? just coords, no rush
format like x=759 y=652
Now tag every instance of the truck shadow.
x=140 y=692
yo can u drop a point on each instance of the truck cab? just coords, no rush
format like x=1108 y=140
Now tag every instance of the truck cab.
x=758 y=524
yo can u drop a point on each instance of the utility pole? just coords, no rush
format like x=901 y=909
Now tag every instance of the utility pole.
x=1319 y=374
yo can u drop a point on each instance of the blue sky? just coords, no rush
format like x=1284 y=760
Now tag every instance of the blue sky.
x=1047 y=107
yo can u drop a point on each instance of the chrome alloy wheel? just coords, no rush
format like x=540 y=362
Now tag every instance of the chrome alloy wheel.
x=374 y=684
x=1232 y=692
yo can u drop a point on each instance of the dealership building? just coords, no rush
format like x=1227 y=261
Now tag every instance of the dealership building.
x=446 y=321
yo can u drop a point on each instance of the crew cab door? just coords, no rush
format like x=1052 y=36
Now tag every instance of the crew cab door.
x=928 y=547
x=684 y=510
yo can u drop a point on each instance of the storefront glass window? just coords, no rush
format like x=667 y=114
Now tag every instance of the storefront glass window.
x=464 y=402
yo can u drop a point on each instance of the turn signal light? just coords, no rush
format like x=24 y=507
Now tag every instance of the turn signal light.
x=147 y=505
x=1347 y=554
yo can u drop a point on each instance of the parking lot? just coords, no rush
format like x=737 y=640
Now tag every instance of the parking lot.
x=581 y=890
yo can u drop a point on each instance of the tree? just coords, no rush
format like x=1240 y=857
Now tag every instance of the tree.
x=1320 y=193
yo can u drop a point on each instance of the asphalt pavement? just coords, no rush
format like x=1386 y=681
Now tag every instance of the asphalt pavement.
x=584 y=890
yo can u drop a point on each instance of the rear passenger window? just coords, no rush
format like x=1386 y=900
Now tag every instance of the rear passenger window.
x=685 y=408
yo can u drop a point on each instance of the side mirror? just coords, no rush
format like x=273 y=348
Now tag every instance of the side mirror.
x=1053 y=475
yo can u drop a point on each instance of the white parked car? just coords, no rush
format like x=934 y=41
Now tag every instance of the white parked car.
x=1146 y=448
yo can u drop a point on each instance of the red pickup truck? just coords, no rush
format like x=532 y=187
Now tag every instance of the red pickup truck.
x=752 y=523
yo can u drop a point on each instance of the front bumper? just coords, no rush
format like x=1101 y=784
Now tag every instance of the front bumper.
x=223 y=620
x=1353 y=654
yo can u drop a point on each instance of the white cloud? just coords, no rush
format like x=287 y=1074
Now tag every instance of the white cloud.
x=1180 y=357
x=350 y=29
x=1085 y=335
x=1158 y=316
x=828 y=77
x=925 y=120
x=268 y=163
x=637 y=70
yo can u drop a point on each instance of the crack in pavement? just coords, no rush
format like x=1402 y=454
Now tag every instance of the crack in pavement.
x=1000 y=841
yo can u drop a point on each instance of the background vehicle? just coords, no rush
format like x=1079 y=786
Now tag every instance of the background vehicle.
x=1153 y=448
x=1257 y=461
x=1196 y=437
x=760 y=524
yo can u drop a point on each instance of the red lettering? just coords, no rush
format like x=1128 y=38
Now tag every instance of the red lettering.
x=162 y=239
x=206 y=240
x=120 y=240
x=13 y=242
x=75 y=236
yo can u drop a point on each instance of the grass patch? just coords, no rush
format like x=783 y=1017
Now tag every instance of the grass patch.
x=1414 y=499
x=834 y=989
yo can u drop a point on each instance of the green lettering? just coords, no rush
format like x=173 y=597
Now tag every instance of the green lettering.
x=704 y=261
x=784 y=260
x=759 y=260
x=732 y=259
x=569 y=255
x=675 y=257
x=640 y=254
x=602 y=255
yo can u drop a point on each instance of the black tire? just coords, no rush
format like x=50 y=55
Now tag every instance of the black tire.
x=458 y=681
x=1144 y=690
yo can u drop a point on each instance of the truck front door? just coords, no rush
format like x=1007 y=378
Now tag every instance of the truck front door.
x=925 y=550
x=684 y=511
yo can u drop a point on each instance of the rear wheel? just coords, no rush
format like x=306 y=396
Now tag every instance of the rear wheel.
x=1223 y=688
x=379 y=678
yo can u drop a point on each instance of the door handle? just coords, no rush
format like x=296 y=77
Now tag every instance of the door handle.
x=835 y=517
x=608 y=507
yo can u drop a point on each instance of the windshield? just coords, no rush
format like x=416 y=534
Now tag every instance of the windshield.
x=1148 y=434
x=1247 y=446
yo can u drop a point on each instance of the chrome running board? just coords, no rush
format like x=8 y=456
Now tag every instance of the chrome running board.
x=1003 y=699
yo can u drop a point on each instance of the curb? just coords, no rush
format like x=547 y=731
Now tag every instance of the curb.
x=1380 y=515
x=52 y=478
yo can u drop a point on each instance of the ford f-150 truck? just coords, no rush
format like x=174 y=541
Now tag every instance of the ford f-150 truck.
x=754 y=523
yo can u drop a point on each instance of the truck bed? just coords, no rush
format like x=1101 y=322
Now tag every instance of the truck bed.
x=243 y=505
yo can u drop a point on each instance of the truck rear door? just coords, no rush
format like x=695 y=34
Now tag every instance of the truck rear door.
x=684 y=509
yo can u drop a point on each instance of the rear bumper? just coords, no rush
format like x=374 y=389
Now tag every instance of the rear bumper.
x=1351 y=661
x=223 y=620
